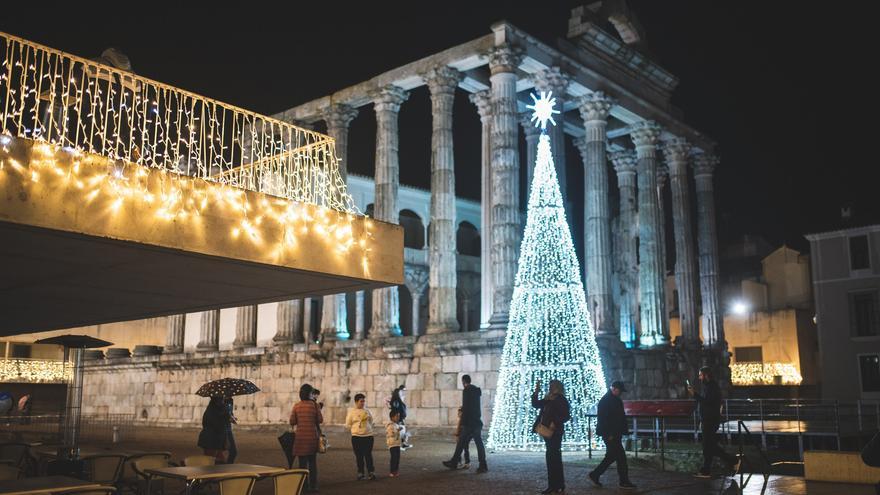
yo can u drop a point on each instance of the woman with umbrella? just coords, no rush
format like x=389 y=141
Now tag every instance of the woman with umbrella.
x=215 y=421
x=306 y=418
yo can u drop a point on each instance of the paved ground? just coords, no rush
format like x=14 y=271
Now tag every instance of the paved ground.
x=509 y=473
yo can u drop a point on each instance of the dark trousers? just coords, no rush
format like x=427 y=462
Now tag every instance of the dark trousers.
x=712 y=449
x=614 y=453
x=553 y=455
x=395 y=458
x=233 y=451
x=363 y=452
x=469 y=433
x=312 y=462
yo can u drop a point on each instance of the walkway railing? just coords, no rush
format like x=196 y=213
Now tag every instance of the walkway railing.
x=72 y=102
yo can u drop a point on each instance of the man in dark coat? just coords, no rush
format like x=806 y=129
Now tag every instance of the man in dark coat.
x=471 y=426
x=709 y=400
x=612 y=426
x=212 y=438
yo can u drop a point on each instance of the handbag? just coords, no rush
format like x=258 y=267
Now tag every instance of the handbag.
x=546 y=432
x=323 y=444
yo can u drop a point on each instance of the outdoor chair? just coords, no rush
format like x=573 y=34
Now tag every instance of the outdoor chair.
x=9 y=473
x=233 y=485
x=199 y=460
x=130 y=479
x=102 y=490
x=104 y=468
x=290 y=482
x=140 y=465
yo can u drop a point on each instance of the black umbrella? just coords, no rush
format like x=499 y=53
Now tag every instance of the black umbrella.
x=286 y=441
x=75 y=341
x=227 y=387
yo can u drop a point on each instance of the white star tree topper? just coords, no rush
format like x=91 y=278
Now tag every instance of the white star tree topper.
x=542 y=109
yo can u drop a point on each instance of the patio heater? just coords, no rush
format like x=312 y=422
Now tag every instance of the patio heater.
x=74 y=346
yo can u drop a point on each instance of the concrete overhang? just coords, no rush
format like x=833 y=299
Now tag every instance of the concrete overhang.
x=85 y=240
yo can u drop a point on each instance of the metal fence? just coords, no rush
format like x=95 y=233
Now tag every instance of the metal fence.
x=48 y=428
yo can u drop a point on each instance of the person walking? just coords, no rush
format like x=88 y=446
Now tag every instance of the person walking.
x=360 y=421
x=212 y=438
x=709 y=402
x=612 y=426
x=306 y=418
x=230 y=437
x=467 y=445
x=472 y=426
x=555 y=411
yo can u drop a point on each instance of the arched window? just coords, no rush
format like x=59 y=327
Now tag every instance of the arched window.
x=467 y=239
x=413 y=229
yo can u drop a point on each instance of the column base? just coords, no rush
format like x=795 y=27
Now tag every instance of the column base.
x=499 y=321
x=451 y=326
x=382 y=331
x=242 y=345
x=207 y=347
x=172 y=350
x=652 y=341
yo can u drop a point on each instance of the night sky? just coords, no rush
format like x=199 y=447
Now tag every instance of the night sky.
x=784 y=90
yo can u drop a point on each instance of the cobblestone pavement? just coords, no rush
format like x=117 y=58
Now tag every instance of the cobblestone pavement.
x=509 y=472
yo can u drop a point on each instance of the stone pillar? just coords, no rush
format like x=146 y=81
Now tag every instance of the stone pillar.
x=533 y=134
x=245 y=326
x=416 y=281
x=554 y=81
x=334 y=320
x=290 y=323
x=662 y=179
x=676 y=152
x=442 y=82
x=594 y=109
x=359 y=315
x=503 y=61
x=625 y=166
x=176 y=332
x=483 y=101
x=387 y=101
x=654 y=322
x=713 y=319
x=209 y=337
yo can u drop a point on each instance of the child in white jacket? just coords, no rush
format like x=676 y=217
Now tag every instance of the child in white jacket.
x=360 y=421
x=392 y=438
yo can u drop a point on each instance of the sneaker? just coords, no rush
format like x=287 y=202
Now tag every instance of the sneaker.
x=450 y=464
x=482 y=469
x=466 y=465
x=626 y=485
x=405 y=446
x=595 y=479
x=371 y=477
x=361 y=476
x=702 y=474
x=393 y=475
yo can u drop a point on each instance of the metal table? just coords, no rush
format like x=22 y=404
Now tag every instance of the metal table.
x=192 y=475
x=43 y=485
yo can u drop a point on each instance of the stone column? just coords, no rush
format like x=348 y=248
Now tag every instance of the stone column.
x=442 y=82
x=662 y=179
x=676 y=152
x=307 y=321
x=176 y=332
x=290 y=323
x=416 y=281
x=654 y=322
x=483 y=101
x=713 y=319
x=625 y=166
x=245 y=326
x=533 y=134
x=209 y=337
x=503 y=61
x=554 y=81
x=387 y=101
x=359 y=315
x=334 y=320
x=594 y=109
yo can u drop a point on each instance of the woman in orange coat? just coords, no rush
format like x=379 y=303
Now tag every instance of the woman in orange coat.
x=305 y=417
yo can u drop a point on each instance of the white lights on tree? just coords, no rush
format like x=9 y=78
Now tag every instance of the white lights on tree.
x=549 y=334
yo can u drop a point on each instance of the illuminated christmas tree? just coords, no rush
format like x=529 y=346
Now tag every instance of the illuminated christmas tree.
x=549 y=334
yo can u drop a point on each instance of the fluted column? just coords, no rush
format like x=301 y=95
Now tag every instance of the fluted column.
x=503 y=61
x=625 y=166
x=209 y=336
x=594 y=109
x=483 y=101
x=676 y=152
x=307 y=320
x=662 y=179
x=654 y=325
x=387 y=101
x=442 y=280
x=553 y=80
x=359 y=329
x=533 y=134
x=245 y=326
x=290 y=323
x=713 y=320
x=176 y=332
x=416 y=281
x=334 y=320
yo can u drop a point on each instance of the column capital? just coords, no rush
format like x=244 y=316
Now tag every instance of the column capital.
x=676 y=152
x=645 y=133
x=624 y=161
x=483 y=102
x=595 y=106
x=662 y=176
x=551 y=79
x=389 y=98
x=581 y=144
x=339 y=115
x=704 y=164
x=442 y=79
x=504 y=58
x=529 y=128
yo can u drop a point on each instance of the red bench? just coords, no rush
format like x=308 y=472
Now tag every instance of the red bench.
x=659 y=407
